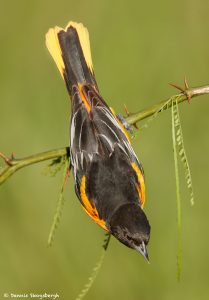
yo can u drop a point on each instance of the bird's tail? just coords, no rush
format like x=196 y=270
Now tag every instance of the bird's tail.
x=70 y=49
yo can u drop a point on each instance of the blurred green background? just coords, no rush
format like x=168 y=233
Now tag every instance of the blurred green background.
x=138 y=47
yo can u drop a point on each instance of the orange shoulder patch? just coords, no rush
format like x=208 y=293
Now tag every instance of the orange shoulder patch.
x=83 y=98
x=141 y=184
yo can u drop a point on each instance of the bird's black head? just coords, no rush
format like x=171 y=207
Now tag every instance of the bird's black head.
x=130 y=226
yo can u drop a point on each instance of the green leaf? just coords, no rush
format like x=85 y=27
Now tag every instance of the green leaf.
x=178 y=197
x=164 y=106
x=60 y=204
x=55 y=166
x=182 y=154
x=95 y=270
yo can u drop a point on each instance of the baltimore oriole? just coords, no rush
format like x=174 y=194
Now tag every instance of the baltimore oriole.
x=109 y=179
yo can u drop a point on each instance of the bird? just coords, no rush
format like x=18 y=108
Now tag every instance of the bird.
x=109 y=179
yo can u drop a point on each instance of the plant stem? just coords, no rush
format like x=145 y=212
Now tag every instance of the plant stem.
x=190 y=93
x=15 y=164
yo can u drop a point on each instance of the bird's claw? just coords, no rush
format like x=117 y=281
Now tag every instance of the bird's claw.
x=128 y=114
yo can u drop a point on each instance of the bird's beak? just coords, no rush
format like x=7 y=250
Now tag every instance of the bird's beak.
x=143 y=251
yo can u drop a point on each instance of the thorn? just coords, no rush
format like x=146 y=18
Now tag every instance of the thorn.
x=186 y=89
x=177 y=87
x=135 y=126
x=126 y=110
x=13 y=156
x=6 y=159
x=183 y=90
x=186 y=83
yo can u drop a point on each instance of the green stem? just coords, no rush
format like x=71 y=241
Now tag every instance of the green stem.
x=16 y=164
x=190 y=93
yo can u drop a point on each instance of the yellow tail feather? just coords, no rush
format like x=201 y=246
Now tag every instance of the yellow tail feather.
x=53 y=45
